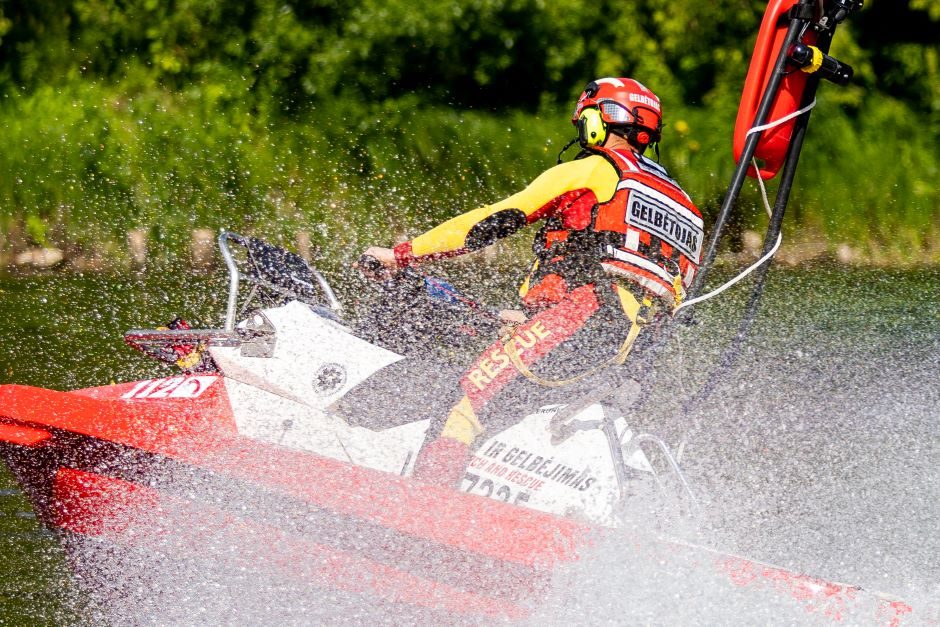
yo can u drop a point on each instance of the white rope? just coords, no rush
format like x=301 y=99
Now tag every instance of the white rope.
x=786 y=118
x=763 y=193
x=751 y=268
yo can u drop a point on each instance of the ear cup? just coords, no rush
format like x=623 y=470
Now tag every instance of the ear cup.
x=592 y=130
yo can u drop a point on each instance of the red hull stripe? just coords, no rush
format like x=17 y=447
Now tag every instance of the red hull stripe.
x=163 y=426
x=124 y=512
x=834 y=601
x=440 y=515
x=23 y=436
x=258 y=504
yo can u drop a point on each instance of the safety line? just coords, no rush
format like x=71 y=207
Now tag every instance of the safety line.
x=763 y=192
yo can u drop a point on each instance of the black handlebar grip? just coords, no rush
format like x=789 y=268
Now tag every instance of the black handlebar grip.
x=829 y=68
x=369 y=264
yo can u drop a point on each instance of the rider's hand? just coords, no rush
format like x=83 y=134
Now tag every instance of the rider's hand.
x=386 y=261
x=511 y=318
x=385 y=256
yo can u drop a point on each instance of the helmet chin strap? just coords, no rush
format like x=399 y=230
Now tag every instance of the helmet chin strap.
x=655 y=146
x=642 y=150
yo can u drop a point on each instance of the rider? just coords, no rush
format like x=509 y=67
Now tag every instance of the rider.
x=619 y=239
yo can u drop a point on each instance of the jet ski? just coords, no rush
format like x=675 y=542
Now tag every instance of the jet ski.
x=260 y=436
x=283 y=449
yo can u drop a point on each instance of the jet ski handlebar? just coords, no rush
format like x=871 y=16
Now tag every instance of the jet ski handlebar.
x=274 y=269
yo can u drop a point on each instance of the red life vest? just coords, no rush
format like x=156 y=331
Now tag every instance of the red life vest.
x=649 y=232
x=662 y=229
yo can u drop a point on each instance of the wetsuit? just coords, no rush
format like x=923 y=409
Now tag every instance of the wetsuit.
x=616 y=229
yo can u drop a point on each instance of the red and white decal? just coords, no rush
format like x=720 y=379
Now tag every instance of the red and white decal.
x=171 y=387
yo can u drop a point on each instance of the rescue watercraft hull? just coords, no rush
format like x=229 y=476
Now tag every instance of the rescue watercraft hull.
x=174 y=476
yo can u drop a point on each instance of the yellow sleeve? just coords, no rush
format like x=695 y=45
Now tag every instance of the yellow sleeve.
x=481 y=227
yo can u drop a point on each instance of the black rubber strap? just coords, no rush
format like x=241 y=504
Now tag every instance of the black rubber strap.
x=802 y=12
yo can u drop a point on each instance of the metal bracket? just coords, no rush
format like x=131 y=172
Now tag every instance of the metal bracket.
x=563 y=424
x=261 y=339
x=638 y=440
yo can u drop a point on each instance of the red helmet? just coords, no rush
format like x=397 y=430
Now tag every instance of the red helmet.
x=618 y=103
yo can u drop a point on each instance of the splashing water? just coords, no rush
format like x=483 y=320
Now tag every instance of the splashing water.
x=818 y=452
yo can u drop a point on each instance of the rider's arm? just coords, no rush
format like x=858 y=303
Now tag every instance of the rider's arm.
x=481 y=227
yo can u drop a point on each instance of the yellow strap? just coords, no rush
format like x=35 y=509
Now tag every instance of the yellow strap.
x=191 y=359
x=677 y=290
x=524 y=288
x=630 y=306
x=462 y=423
x=817 y=61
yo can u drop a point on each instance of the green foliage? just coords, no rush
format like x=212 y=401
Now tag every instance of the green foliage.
x=363 y=121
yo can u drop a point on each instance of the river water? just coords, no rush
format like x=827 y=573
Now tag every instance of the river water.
x=819 y=451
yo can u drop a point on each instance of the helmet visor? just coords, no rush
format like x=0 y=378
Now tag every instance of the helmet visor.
x=613 y=112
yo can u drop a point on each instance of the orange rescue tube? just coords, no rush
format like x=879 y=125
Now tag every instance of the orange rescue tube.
x=773 y=144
